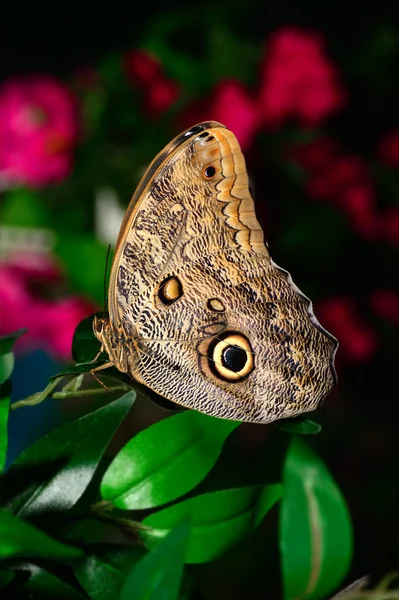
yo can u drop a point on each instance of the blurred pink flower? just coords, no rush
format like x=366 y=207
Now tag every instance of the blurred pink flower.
x=25 y=281
x=298 y=80
x=231 y=104
x=38 y=128
x=342 y=180
x=145 y=71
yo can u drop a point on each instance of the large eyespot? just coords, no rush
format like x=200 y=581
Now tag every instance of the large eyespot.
x=209 y=172
x=170 y=290
x=230 y=356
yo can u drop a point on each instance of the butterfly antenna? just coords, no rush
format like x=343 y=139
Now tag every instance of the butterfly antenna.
x=105 y=280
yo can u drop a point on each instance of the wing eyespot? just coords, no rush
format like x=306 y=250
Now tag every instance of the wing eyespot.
x=209 y=172
x=230 y=357
x=170 y=290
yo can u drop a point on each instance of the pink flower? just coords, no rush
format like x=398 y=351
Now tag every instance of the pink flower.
x=231 y=104
x=26 y=281
x=358 y=342
x=38 y=128
x=342 y=180
x=145 y=71
x=298 y=80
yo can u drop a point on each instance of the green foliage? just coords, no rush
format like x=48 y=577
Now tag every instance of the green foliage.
x=315 y=527
x=55 y=471
x=6 y=368
x=148 y=470
x=219 y=519
x=158 y=575
x=62 y=503
x=19 y=538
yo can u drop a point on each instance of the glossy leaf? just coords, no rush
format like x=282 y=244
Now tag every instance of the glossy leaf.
x=165 y=460
x=103 y=572
x=315 y=529
x=5 y=395
x=85 y=345
x=6 y=366
x=7 y=341
x=158 y=574
x=299 y=425
x=56 y=469
x=44 y=585
x=19 y=538
x=218 y=520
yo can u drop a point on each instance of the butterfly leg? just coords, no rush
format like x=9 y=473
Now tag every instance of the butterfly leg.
x=105 y=366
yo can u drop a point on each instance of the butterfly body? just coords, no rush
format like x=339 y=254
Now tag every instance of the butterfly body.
x=198 y=311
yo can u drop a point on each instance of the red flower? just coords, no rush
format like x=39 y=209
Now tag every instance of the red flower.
x=358 y=342
x=145 y=71
x=298 y=80
x=343 y=180
x=38 y=129
x=24 y=283
x=389 y=148
x=142 y=68
x=385 y=304
x=358 y=202
x=230 y=104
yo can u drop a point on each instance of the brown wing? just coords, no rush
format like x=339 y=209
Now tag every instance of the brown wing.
x=193 y=201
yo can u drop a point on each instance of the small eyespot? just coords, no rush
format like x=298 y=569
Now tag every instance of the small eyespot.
x=209 y=172
x=216 y=305
x=170 y=290
x=230 y=357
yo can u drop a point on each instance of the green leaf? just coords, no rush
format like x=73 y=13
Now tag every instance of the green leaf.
x=7 y=341
x=6 y=366
x=158 y=575
x=165 y=460
x=42 y=584
x=85 y=345
x=57 y=469
x=315 y=529
x=100 y=579
x=103 y=572
x=19 y=538
x=298 y=425
x=5 y=396
x=219 y=519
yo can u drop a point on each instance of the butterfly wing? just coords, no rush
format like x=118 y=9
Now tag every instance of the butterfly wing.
x=178 y=213
x=207 y=318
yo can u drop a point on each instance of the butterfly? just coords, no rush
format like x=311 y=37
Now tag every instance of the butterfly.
x=198 y=310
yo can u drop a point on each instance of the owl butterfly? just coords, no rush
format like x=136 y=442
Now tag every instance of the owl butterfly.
x=198 y=311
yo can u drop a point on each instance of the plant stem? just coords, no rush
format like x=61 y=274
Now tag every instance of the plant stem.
x=38 y=397
x=89 y=392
